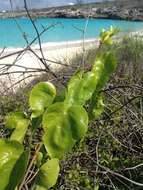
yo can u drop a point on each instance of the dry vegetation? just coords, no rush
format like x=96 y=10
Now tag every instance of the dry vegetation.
x=111 y=155
x=112 y=151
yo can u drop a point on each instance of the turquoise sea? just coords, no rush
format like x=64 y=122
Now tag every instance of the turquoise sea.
x=11 y=31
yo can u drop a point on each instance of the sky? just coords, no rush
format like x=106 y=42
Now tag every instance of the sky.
x=4 y=4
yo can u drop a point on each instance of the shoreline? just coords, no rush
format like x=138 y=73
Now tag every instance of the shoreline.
x=68 y=44
x=56 y=45
x=53 y=52
x=76 y=18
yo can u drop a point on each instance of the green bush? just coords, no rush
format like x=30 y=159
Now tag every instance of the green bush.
x=118 y=133
x=114 y=141
x=64 y=122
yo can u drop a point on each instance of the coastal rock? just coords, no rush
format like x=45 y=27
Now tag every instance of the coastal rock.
x=109 y=12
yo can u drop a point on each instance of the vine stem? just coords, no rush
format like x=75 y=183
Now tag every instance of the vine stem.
x=30 y=165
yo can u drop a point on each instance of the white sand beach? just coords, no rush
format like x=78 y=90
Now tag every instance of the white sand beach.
x=13 y=67
x=18 y=63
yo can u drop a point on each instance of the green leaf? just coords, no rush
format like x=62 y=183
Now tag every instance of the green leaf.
x=41 y=96
x=19 y=122
x=86 y=88
x=12 y=119
x=10 y=153
x=81 y=88
x=104 y=66
x=58 y=137
x=18 y=171
x=106 y=36
x=96 y=187
x=39 y=159
x=89 y=83
x=73 y=85
x=63 y=126
x=110 y=62
x=78 y=120
x=97 y=108
x=48 y=174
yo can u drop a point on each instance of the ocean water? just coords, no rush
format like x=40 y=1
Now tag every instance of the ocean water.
x=11 y=31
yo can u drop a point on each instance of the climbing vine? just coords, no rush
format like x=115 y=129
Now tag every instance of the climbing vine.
x=64 y=122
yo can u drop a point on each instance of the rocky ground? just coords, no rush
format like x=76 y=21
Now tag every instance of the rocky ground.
x=112 y=11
